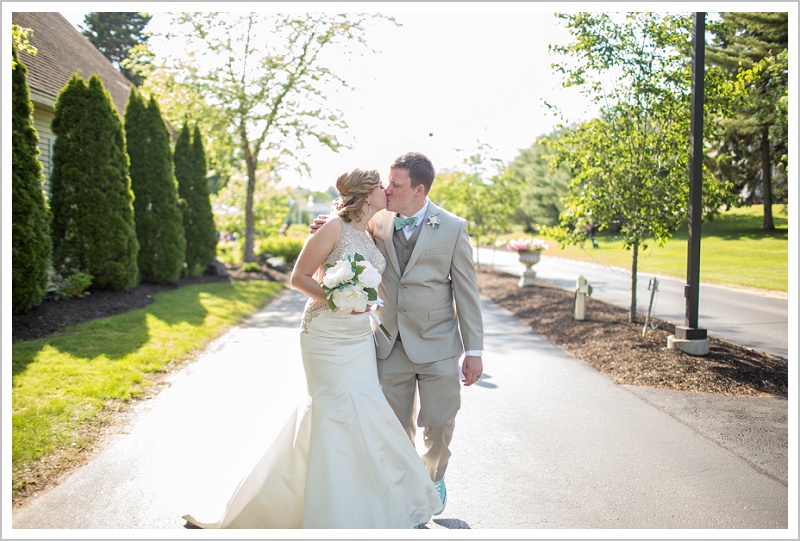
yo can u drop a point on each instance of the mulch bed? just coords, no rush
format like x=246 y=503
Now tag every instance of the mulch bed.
x=608 y=341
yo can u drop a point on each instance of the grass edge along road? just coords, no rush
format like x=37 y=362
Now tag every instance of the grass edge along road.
x=734 y=250
x=65 y=386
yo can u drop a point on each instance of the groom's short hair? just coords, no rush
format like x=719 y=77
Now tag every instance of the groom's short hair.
x=420 y=169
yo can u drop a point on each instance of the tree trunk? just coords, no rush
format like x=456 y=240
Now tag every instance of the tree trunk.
x=766 y=180
x=634 y=269
x=249 y=223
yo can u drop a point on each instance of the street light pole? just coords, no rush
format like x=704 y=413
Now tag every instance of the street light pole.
x=690 y=338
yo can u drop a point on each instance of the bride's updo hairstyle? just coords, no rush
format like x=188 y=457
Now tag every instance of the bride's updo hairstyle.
x=353 y=188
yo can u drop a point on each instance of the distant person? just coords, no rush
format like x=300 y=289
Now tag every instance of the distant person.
x=591 y=230
x=431 y=309
x=343 y=460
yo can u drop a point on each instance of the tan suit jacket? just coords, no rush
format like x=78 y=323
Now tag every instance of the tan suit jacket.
x=435 y=304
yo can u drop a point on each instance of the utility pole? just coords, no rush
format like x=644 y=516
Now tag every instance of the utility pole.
x=689 y=337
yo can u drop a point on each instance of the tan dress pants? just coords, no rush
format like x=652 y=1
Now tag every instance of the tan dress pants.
x=438 y=386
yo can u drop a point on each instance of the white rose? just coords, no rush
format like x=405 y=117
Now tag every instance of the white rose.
x=340 y=273
x=370 y=277
x=350 y=299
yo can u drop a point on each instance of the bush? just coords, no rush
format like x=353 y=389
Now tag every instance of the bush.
x=287 y=248
x=93 y=229
x=230 y=252
x=30 y=216
x=198 y=217
x=73 y=286
x=251 y=267
x=159 y=221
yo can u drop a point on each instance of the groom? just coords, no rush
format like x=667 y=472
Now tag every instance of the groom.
x=431 y=310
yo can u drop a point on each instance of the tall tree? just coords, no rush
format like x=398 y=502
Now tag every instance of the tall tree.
x=30 y=216
x=92 y=203
x=752 y=47
x=179 y=102
x=543 y=187
x=115 y=33
x=198 y=218
x=630 y=166
x=268 y=82
x=159 y=221
x=486 y=195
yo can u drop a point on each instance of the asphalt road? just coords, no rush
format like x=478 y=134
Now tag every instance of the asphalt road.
x=543 y=442
x=754 y=320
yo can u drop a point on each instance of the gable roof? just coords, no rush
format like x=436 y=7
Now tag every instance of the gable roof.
x=61 y=51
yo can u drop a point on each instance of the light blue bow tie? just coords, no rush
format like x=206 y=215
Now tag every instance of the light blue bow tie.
x=400 y=223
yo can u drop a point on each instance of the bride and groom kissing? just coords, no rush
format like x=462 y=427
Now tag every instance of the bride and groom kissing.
x=346 y=458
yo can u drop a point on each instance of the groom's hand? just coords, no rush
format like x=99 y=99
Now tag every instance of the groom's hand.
x=472 y=368
x=318 y=222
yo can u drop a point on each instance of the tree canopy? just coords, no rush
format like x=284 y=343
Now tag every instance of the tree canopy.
x=198 y=218
x=630 y=166
x=268 y=85
x=159 y=221
x=752 y=48
x=115 y=34
x=543 y=187
x=93 y=228
x=486 y=195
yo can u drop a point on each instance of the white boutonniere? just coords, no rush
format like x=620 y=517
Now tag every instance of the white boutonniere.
x=433 y=221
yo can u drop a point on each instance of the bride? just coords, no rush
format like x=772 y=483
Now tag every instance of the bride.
x=343 y=459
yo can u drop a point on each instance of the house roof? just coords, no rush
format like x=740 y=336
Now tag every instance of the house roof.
x=61 y=51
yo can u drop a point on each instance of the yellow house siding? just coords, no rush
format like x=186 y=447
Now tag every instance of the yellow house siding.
x=41 y=121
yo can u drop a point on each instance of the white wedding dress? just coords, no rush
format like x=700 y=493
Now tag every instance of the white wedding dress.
x=343 y=459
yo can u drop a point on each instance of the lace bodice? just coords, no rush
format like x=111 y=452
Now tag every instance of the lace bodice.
x=352 y=241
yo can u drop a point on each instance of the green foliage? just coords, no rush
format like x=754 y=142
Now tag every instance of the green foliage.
x=735 y=250
x=198 y=218
x=181 y=102
x=230 y=252
x=159 y=226
x=21 y=39
x=93 y=227
x=543 y=187
x=752 y=49
x=115 y=33
x=30 y=216
x=269 y=90
x=73 y=286
x=629 y=167
x=486 y=196
x=251 y=267
x=269 y=203
x=286 y=247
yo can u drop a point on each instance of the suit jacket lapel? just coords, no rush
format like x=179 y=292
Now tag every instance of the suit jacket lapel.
x=425 y=235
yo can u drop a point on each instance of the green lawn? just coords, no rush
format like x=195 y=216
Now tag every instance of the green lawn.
x=65 y=385
x=734 y=250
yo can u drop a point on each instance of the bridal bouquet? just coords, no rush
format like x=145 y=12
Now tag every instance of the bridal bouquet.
x=351 y=285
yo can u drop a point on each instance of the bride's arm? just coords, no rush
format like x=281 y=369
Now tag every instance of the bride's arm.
x=316 y=248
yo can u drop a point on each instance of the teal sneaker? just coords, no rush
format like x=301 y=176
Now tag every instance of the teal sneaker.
x=442 y=490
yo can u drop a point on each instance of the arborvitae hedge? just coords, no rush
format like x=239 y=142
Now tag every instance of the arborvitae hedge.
x=159 y=221
x=198 y=218
x=30 y=217
x=92 y=203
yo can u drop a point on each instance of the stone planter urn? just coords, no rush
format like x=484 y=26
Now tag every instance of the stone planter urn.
x=528 y=258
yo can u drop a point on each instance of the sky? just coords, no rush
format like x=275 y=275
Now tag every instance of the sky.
x=450 y=78
x=453 y=76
